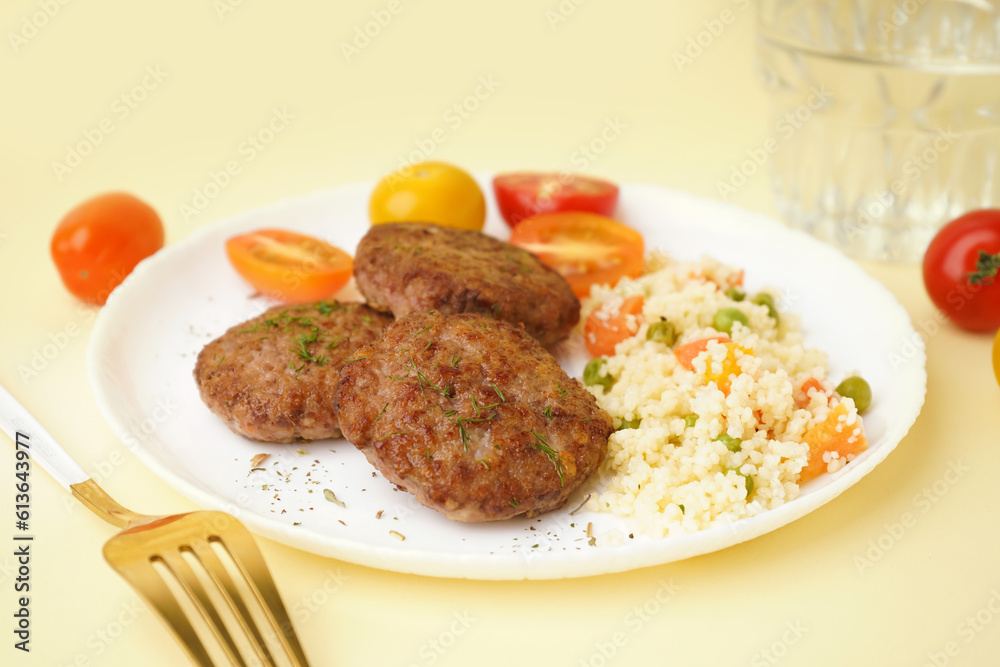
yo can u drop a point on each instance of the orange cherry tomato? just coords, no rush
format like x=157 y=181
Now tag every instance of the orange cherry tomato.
x=289 y=266
x=586 y=248
x=99 y=242
x=609 y=325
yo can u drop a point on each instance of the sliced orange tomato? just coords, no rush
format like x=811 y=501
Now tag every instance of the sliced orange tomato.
x=832 y=435
x=687 y=352
x=609 y=325
x=289 y=266
x=586 y=248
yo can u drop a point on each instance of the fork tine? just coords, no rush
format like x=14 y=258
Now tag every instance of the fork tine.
x=217 y=571
x=175 y=563
x=156 y=592
x=251 y=563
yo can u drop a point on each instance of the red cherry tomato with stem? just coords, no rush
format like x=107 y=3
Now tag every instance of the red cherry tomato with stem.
x=961 y=268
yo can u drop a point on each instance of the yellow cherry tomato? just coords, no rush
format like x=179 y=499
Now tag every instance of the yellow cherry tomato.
x=434 y=192
x=996 y=356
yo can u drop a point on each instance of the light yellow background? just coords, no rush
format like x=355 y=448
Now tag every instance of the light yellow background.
x=800 y=592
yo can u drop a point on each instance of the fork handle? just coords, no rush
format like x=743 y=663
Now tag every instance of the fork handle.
x=42 y=447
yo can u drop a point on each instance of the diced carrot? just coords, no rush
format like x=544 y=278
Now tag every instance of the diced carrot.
x=734 y=280
x=609 y=325
x=811 y=383
x=832 y=435
x=687 y=352
x=730 y=367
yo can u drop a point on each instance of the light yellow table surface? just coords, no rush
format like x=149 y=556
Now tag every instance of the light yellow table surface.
x=225 y=67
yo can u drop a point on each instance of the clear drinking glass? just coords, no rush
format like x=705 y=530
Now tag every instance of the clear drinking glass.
x=886 y=117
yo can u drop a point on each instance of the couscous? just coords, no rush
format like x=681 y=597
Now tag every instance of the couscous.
x=720 y=409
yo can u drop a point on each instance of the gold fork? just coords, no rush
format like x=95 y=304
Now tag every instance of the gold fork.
x=201 y=571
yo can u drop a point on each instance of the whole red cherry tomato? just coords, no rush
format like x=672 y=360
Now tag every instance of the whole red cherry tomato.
x=960 y=270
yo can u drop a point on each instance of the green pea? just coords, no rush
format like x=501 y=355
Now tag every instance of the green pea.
x=731 y=443
x=747 y=479
x=691 y=420
x=725 y=318
x=858 y=389
x=630 y=423
x=595 y=373
x=736 y=294
x=765 y=299
x=662 y=332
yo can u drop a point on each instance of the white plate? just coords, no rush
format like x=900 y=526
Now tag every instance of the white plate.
x=147 y=337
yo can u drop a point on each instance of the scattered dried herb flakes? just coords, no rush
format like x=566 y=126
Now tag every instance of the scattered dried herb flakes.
x=258 y=459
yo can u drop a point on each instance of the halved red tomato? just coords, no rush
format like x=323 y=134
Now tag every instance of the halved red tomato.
x=524 y=195
x=289 y=266
x=586 y=248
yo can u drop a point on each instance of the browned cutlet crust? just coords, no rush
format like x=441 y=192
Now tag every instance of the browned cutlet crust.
x=410 y=267
x=272 y=378
x=472 y=416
